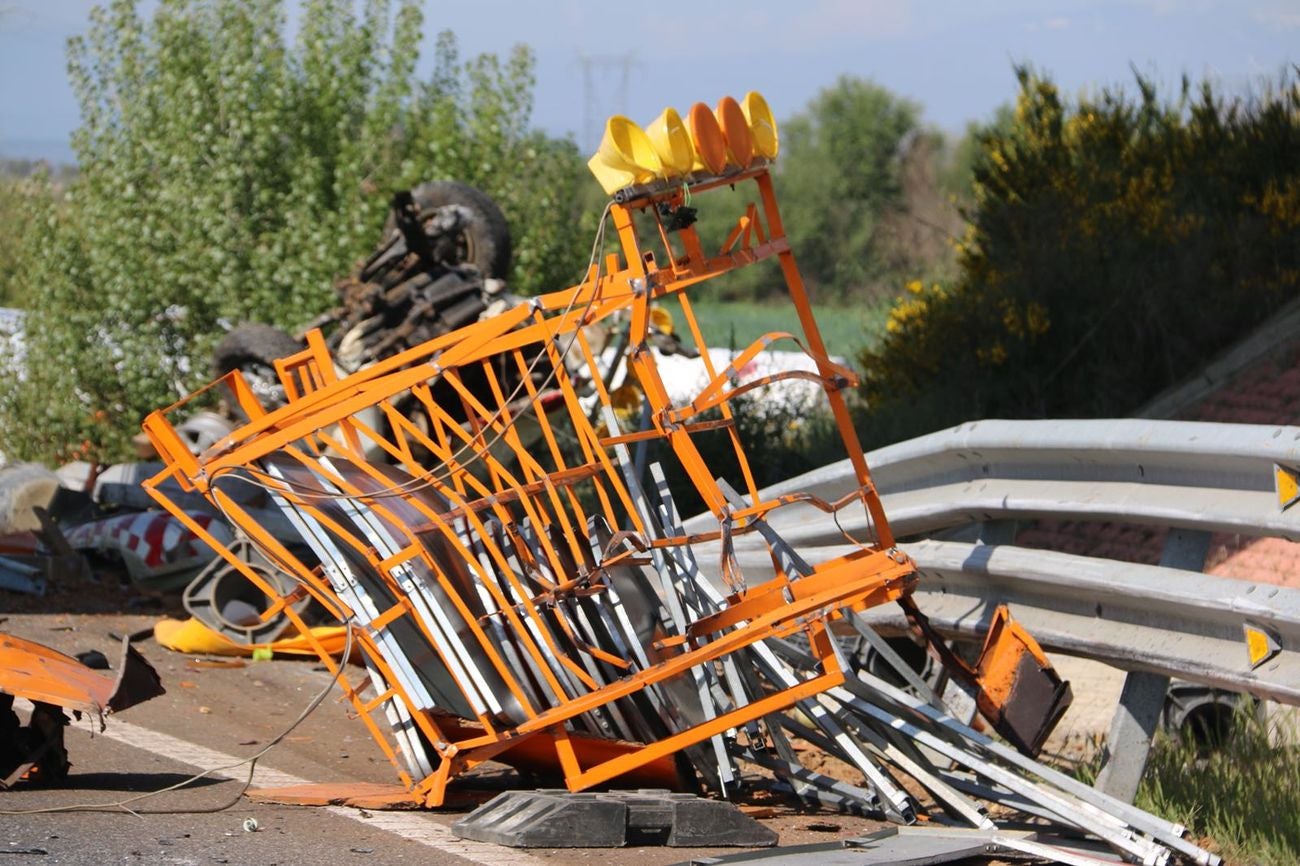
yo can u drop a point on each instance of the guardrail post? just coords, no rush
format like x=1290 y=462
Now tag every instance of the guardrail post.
x=1129 y=742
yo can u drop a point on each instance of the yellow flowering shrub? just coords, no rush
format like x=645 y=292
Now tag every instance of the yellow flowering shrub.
x=1114 y=245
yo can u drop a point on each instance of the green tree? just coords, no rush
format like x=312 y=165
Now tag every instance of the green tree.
x=839 y=174
x=1113 y=246
x=14 y=225
x=228 y=173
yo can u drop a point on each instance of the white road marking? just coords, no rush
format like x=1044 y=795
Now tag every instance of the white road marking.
x=413 y=826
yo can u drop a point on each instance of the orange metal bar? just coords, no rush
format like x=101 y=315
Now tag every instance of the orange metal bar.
x=496 y=459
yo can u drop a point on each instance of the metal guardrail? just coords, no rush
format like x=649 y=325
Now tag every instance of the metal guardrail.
x=1196 y=476
x=1136 y=617
x=1192 y=475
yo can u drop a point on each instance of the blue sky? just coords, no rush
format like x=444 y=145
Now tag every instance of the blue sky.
x=954 y=57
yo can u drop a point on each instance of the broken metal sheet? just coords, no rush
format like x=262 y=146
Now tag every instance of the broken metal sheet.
x=53 y=682
x=42 y=675
x=17 y=576
x=560 y=819
x=901 y=846
x=1057 y=852
x=1018 y=690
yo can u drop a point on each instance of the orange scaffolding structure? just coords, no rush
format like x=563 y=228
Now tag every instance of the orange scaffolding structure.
x=516 y=583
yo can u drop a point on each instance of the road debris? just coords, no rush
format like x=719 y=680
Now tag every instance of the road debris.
x=557 y=819
x=53 y=682
x=522 y=587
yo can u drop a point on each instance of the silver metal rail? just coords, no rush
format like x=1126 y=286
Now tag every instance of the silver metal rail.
x=1192 y=476
x=1136 y=617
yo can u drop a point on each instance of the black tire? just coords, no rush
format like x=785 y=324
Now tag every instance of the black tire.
x=485 y=243
x=251 y=348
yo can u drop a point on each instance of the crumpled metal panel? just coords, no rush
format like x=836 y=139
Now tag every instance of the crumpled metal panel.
x=42 y=675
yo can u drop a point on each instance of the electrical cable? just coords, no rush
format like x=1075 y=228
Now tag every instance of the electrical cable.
x=122 y=805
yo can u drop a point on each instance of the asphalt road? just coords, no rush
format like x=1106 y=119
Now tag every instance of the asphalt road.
x=209 y=715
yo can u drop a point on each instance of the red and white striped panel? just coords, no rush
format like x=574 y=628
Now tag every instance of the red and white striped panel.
x=155 y=537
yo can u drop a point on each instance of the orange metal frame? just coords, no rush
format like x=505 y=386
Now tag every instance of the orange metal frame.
x=445 y=436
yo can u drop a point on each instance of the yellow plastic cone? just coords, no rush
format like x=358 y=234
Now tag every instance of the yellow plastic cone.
x=706 y=137
x=625 y=157
x=671 y=142
x=762 y=126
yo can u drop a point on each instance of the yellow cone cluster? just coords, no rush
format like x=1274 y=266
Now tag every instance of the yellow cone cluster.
x=732 y=134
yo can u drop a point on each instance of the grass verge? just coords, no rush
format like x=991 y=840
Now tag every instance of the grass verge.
x=736 y=324
x=1244 y=794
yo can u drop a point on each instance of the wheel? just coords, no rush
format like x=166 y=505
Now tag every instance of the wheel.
x=485 y=242
x=252 y=348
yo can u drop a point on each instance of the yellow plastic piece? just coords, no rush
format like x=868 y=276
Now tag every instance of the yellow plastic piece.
x=671 y=142
x=762 y=126
x=706 y=137
x=192 y=636
x=625 y=157
x=626 y=401
x=661 y=319
x=735 y=129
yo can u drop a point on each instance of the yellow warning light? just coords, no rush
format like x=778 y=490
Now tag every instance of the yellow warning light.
x=762 y=126
x=626 y=156
x=735 y=129
x=672 y=142
x=709 y=141
x=1286 y=481
x=706 y=136
x=1261 y=645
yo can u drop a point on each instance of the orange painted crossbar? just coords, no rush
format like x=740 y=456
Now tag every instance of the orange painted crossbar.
x=472 y=506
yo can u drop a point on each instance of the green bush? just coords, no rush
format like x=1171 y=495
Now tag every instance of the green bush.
x=839 y=177
x=1114 y=245
x=227 y=174
x=14 y=225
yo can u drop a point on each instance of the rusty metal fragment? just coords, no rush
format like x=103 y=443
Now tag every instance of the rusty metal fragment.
x=39 y=674
x=54 y=682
